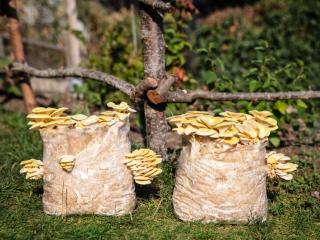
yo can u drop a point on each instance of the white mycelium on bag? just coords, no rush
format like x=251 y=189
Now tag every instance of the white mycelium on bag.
x=221 y=172
x=83 y=170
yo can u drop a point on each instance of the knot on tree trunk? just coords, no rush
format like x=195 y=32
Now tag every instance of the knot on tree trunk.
x=159 y=95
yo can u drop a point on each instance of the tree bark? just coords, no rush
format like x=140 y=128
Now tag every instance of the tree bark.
x=157 y=4
x=159 y=95
x=178 y=96
x=71 y=41
x=154 y=67
x=184 y=96
x=119 y=84
x=144 y=86
x=18 y=52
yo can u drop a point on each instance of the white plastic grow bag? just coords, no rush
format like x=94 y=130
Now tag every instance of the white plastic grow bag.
x=214 y=185
x=99 y=183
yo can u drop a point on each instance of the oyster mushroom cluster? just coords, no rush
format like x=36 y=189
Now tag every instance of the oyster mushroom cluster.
x=32 y=168
x=41 y=117
x=44 y=118
x=227 y=129
x=278 y=165
x=67 y=162
x=142 y=164
x=119 y=112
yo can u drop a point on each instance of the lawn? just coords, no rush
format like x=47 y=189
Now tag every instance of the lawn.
x=293 y=212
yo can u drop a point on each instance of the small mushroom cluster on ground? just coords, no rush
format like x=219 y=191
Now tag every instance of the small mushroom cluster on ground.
x=44 y=118
x=227 y=129
x=142 y=164
x=278 y=165
x=32 y=168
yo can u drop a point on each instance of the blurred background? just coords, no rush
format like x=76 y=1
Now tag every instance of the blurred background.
x=226 y=46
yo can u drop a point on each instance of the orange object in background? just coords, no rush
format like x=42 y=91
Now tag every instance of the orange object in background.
x=11 y=13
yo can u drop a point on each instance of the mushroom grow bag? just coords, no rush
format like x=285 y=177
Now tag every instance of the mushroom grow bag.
x=214 y=185
x=99 y=183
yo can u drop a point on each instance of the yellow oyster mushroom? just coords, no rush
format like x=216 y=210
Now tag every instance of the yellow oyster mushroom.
x=79 y=125
x=176 y=119
x=108 y=113
x=79 y=117
x=146 y=182
x=67 y=162
x=269 y=121
x=228 y=132
x=283 y=175
x=42 y=110
x=67 y=122
x=123 y=106
x=32 y=161
x=90 y=120
x=142 y=165
x=278 y=165
x=195 y=123
x=38 y=116
x=189 y=129
x=122 y=116
x=60 y=118
x=263 y=131
x=38 y=110
x=141 y=178
x=287 y=167
x=36 y=126
x=211 y=121
x=247 y=130
x=105 y=118
x=58 y=111
x=157 y=172
x=36 y=175
x=198 y=113
x=206 y=132
x=224 y=124
x=49 y=124
x=138 y=152
x=231 y=141
x=32 y=168
x=263 y=114
x=238 y=117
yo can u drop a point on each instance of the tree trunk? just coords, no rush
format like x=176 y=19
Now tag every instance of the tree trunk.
x=18 y=53
x=154 y=67
x=71 y=42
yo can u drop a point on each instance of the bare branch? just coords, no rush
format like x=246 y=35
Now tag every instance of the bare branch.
x=159 y=94
x=184 y=96
x=157 y=4
x=121 y=85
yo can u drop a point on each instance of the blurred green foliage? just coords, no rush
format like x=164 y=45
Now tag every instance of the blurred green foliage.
x=116 y=57
x=5 y=86
x=279 y=50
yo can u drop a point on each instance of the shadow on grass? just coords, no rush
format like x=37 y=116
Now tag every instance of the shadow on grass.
x=38 y=191
x=147 y=191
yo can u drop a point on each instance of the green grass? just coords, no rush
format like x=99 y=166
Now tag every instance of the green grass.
x=293 y=212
